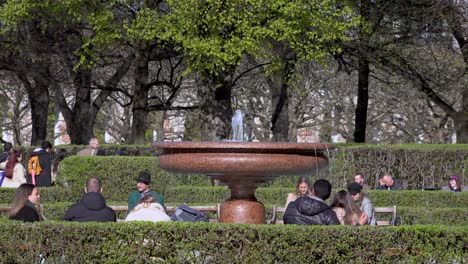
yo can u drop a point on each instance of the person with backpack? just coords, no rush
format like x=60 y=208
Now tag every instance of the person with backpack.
x=40 y=165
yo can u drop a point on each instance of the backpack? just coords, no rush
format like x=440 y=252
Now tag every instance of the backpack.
x=33 y=165
x=183 y=213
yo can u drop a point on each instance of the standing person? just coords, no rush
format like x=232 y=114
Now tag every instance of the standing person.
x=302 y=189
x=24 y=204
x=454 y=185
x=347 y=211
x=91 y=149
x=42 y=178
x=15 y=173
x=359 y=179
x=312 y=210
x=366 y=206
x=92 y=206
x=387 y=182
x=59 y=156
x=148 y=209
x=5 y=155
x=144 y=189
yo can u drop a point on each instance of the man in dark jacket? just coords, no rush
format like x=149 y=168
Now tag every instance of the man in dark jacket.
x=92 y=206
x=312 y=210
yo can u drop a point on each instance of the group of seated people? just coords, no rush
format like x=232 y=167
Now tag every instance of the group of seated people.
x=307 y=206
x=143 y=204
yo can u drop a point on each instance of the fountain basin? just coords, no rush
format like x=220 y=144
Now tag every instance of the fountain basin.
x=242 y=166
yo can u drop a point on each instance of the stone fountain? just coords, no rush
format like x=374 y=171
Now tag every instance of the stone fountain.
x=242 y=166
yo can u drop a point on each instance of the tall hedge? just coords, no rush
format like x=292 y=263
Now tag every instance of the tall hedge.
x=170 y=242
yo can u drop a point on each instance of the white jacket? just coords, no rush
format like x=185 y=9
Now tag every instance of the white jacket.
x=18 y=178
x=148 y=212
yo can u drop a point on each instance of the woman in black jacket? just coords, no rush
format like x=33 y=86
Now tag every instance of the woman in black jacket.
x=24 y=204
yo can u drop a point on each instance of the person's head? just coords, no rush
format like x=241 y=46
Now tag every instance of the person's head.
x=359 y=178
x=47 y=146
x=7 y=146
x=303 y=186
x=94 y=143
x=343 y=199
x=24 y=193
x=454 y=182
x=93 y=185
x=386 y=179
x=147 y=199
x=15 y=157
x=143 y=181
x=355 y=190
x=322 y=189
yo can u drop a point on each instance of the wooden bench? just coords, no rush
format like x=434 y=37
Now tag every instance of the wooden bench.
x=378 y=210
x=171 y=209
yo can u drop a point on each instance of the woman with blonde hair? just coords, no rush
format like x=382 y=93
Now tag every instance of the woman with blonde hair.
x=302 y=189
x=24 y=204
x=346 y=210
x=148 y=209
x=15 y=173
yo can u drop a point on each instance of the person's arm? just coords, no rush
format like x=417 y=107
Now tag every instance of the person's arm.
x=68 y=215
x=364 y=219
x=131 y=201
x=368 y=209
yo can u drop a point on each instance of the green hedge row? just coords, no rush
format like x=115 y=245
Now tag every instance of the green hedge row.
x=220 y=243
x=417 y=166
x=408 y=215
x=217 y=194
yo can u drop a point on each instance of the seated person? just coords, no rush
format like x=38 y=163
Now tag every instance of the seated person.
x=24 y=204
x=148 y=210
x=347 y=211
x=302 y=189
x=387 y=182
x=361 y=200
x=312 y=210
x=92 y=206
x=144 y=189
x=359 y=178
x=454 y=185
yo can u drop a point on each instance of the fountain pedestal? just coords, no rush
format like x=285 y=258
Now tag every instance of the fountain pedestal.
x=242 y=166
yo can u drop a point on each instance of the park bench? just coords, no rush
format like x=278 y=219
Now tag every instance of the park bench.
x=170 y=209
x=378 y=211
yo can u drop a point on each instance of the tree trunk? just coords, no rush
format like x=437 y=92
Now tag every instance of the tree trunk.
x=360 y=122
x=362 y=102
x=80 y=120
x=215 y=108
x=280 y=101
x=140 y=97
x=39 y=98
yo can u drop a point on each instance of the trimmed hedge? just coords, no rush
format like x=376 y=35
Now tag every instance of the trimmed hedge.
x=408 y=215
x=144 y=242
x=217 y=194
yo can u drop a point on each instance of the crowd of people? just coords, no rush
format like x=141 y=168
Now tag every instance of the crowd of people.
x=306 y=206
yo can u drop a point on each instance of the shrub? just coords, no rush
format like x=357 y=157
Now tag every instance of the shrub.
x=144 y=242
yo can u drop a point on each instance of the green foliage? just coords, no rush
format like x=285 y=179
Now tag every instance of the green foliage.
x=217 y=243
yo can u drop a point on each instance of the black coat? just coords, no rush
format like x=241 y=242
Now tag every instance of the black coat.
x=91 y=207
x=45 y=160
x=309 y=211
x=27 y=214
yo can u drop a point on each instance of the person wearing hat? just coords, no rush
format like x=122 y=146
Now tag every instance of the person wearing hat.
x=144 y=188
x=366 y=206
x=454 y=185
